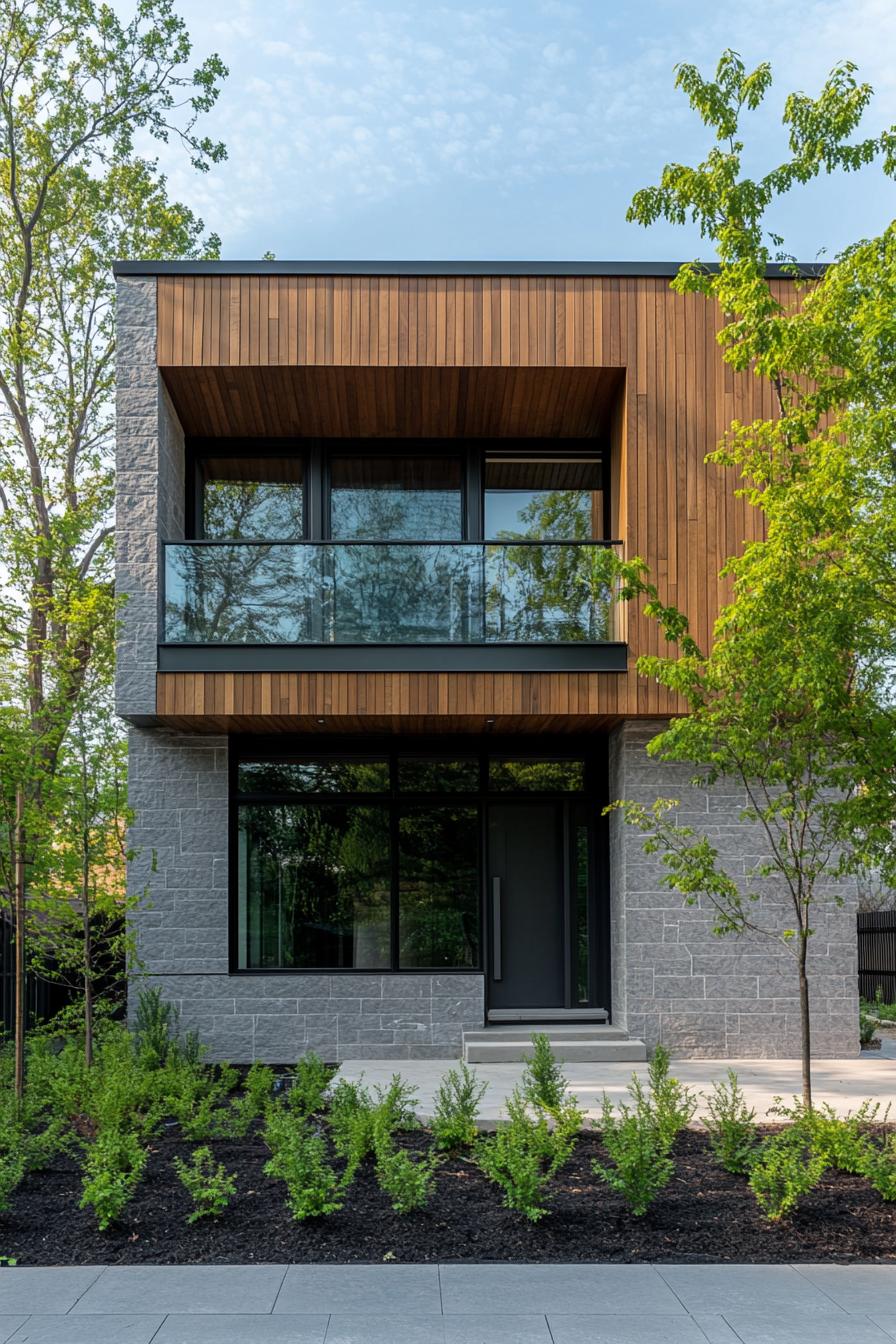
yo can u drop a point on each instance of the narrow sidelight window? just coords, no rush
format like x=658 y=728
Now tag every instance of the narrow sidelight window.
x=396 y=498
x=438 y=892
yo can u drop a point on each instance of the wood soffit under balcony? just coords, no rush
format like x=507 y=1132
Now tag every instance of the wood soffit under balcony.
x=344 y=402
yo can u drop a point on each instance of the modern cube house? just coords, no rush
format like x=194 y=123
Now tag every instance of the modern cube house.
x=377 y=686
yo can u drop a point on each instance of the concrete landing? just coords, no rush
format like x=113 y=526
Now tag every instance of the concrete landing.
x=844 y=1083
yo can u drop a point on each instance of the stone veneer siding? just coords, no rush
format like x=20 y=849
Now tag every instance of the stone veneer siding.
x=149 y=503
x=674 y=980
x=178 y=789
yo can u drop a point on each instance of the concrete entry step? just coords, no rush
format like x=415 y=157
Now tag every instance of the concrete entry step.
x=570 y=1044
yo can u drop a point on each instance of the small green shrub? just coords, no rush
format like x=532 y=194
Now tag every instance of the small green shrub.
x=544 y=1084
x=407 y=1180
x=251 y=1102
x=867 y=1028
x=638 y=1149
x=351 y=1122
x=112 y=1171
x=731 y=1126
x=208 y=1183
x=396 y=1105
x=155 y=1029
x=199 y=1100
x=526 y=1153
x=312 y=1077
x=456 y=1109
x=786 y=1167
x=673 y=1105
x=299 y=1159
x=842 y=1141
x=879 y=1166
x=12 y=1172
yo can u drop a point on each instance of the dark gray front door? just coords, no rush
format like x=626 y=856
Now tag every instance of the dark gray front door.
x=526 y=905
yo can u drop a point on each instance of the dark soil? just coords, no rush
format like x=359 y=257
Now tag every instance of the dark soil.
x=704 y=1215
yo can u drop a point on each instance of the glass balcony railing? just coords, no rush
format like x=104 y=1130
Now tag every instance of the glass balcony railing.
x=261 y=593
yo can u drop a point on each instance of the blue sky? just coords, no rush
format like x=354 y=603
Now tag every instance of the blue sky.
x=404 y=129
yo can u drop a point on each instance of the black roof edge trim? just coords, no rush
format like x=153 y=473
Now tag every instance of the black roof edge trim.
x=424 y=268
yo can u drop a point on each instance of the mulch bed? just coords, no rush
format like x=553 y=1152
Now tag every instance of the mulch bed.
x=703 y=1216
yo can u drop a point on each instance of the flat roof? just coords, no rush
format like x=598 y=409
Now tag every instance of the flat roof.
x=422 y=268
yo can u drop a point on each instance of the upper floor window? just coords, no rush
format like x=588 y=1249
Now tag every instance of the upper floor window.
x=252 y=499
x=549 y=498
x=348 y=491
x=396 y=498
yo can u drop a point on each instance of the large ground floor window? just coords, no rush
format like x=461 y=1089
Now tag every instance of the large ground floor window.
x=379 y=861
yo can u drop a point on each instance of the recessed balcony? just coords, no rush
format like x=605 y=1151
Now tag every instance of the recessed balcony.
x=543 y=600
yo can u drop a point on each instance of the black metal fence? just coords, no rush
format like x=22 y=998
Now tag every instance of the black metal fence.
x=42 y=997
x=877 y=955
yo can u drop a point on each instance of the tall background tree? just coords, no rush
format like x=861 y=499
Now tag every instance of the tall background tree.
x=81 y=91
x=794 y=698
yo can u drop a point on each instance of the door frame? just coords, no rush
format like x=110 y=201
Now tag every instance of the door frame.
x=572 y=810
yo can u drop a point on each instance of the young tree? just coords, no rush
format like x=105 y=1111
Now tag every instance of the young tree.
x=793 y=697
x=78 y=87
x=78 y=930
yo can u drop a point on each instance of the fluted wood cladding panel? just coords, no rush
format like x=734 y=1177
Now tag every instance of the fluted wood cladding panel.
x=676 y=399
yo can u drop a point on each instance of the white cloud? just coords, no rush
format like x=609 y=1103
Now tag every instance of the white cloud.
x=330 y=101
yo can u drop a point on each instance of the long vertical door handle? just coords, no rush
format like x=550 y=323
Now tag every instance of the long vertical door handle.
x=496 y=928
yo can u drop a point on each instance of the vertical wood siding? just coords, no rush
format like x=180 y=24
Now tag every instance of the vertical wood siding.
x=678 y=398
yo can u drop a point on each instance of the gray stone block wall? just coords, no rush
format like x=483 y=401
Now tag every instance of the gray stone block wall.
x=178 y=789
x=149 y=493
x=674 y=980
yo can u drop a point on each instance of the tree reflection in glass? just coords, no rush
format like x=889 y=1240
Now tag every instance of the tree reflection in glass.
x=438 y=891
x=315 y=884
x=401 y=498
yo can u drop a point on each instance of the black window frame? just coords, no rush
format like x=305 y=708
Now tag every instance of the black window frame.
x=590 y=800
x=317 y=454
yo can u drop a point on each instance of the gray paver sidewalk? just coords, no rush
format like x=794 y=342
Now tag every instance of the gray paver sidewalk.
x=450 y=1304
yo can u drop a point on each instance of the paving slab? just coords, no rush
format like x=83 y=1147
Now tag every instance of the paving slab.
x=9 y=1325
x=70 y=1329
x=437 y=1329
x=631 y=1329
x=841 y=1083
x=368 y=1290
x=716 y=1329
x=724 y=1289
x=564 y=1289
x=160 y=1289
x=497 y=1330
x=863 y=1289
x=56 y=1290
x=358 y=1329
x=812 y=1328
x=242 y=1329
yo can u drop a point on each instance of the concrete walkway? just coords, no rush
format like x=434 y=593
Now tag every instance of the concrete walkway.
x=844 y=1083
x=451 y=1304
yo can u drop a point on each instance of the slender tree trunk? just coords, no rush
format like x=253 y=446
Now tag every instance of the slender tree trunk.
x=805 y=1032
x=20 y=947
x=88 y=959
